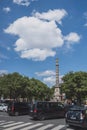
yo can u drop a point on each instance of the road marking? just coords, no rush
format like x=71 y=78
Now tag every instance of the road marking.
x=12 y=124
x=32 y=126
x=2 y=121
x=58 y=127
x=45 y=127
x=18 y=126
x=6 y=123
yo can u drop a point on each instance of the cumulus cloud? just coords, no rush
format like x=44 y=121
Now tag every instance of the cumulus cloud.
x=50 y=80
x=35 y=33
x=37 y=54
x=72 y=38
x=55 y=15
x=49 y=77
x=45 y=73
x=22 y=2
x=39 y=34
x=6 y=9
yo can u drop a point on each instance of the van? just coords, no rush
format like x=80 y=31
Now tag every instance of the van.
x=18 y=108
x=45 y=109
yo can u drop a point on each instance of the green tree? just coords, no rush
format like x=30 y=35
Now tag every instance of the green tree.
x=40 y=90
x=1 y=84
x=11 y=84
x=15 y=86
x=25 y=89
x=75 y=85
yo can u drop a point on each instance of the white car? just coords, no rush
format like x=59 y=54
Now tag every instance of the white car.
x=3 y=107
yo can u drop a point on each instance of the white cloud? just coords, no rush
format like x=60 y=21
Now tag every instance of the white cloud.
x=35 y=34
x=50 y=81
x=6 y=9
x=55 y=15
x=45 y=73
x=39 y=35
x=37 y=54
x=72 y=38
x=22 y=2
x=49 y=77
x=60 y=78
x=3 y=72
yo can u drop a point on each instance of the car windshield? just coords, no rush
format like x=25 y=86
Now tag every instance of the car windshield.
x=77 y=108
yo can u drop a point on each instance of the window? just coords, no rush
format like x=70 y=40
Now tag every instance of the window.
x=39 y=105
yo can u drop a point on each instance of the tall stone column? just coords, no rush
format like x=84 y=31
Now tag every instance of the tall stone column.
x=57 y=87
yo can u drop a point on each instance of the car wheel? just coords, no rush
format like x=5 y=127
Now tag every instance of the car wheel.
x=16 y=113
x=41 y=116
x=34 y=118
x=4 y=110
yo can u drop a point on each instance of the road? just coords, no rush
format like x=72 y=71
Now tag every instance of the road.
x=25 y=122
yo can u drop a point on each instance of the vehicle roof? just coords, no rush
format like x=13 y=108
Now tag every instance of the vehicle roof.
x=78 y=108
x=46 y=102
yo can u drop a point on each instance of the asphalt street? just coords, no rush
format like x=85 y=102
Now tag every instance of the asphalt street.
x=25 y=122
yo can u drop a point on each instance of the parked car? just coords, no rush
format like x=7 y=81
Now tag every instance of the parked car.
x=77 y=116
x=3 y=107
x=68 y=106
x=18 y=108
x=44 y=109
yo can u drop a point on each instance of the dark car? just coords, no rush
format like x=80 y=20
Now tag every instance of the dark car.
x=44 y=109
x=18 y=108
x=77 y=116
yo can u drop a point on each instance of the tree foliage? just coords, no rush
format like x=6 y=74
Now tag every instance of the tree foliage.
x=75 y=85
x=16 y=86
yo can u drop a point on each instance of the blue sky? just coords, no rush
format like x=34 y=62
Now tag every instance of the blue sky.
x=33 y=33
